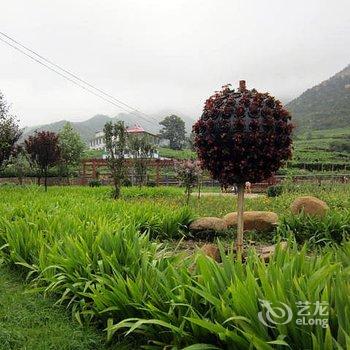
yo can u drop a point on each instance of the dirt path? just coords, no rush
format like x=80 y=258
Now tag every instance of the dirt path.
x=246 y=195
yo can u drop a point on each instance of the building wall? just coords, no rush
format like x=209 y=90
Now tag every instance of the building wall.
x=98 y=141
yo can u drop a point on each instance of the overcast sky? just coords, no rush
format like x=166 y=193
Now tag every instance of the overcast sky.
x=162 y=54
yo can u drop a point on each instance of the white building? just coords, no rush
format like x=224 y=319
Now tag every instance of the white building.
x=98 y=142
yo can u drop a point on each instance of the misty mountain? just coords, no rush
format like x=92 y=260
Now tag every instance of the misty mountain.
x=87 y=128
x=326 y=105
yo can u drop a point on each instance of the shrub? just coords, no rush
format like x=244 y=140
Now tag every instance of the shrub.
x=127 y=182
x=95 y=183
x=334 y=227
x=274 y=191
x=188 y=172
x=151 y=183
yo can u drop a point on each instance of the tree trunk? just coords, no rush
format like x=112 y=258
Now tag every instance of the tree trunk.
x=199 y=183
x=116 y=187
x=188 y=193
x=240 y=220
x=45 y=179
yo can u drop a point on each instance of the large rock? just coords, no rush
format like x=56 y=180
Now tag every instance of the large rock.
x=208 y=224
x=309 y=205
x=254 y=220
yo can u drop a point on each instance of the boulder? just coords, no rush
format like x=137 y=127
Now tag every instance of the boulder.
x=309 y=205
x=212 y=251
x=254 y=220
x=208 y=224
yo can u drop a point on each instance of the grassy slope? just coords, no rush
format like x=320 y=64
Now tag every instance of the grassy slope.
x=28 y=321
x=314 y=150
x=316 y=146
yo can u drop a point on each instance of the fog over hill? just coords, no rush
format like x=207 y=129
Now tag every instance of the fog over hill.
x=87 y=128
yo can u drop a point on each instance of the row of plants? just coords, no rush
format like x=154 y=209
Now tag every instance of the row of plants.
x=96 y=257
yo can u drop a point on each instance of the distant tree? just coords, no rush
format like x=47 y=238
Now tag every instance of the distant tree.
x=43 y=149
x=19 y=162
x=116 y=145
x=72 y=149
x=9 y=131
x=174 y=131
x=190 y=141
x=141 y=149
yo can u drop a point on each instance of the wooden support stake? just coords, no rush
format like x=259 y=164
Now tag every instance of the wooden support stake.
x=240 y=220
x=94 y=170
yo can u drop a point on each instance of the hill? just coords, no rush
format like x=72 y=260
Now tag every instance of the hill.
x=325 y=106
x=87 y=128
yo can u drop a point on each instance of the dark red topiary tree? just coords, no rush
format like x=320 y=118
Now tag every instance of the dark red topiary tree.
x=43 y=149
x=242 y=136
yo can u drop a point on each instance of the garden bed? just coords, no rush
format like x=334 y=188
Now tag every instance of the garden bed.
x=118 y=265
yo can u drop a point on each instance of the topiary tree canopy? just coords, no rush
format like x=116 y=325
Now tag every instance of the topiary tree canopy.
x=242 y=135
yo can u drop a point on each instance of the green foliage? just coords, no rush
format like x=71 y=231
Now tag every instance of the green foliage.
x=95 y=183
x=127 y=183
x=274 y=191
x=326 y=105
x=93 y=153
x=174 y=131
x=19 y=163
x=9 y=131
x=116 y=146
x=72 y=148
x=101 y=263
x=188 y=173
x=177 y=154
x=334 y=227
x=141 y=148
x=340 y=146
x=29 y=321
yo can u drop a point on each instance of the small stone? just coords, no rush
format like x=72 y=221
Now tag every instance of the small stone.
x=212 y=251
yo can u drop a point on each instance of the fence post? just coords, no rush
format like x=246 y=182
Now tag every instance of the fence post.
x=157 y=173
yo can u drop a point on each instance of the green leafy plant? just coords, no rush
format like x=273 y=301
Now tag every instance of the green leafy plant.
x=95 y=183
x=9 y=131
x=116 y=146
x=102 y=263
x=334 y=227
x=188 y=172
x=274 y=191
x=72 y=149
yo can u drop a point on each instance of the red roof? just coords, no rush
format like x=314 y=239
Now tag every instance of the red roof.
x=135 y=129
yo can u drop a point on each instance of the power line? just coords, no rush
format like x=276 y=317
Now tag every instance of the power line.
x=117 y=103
x=70 y=73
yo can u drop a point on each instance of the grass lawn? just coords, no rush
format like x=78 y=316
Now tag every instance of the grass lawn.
x=29 y=321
